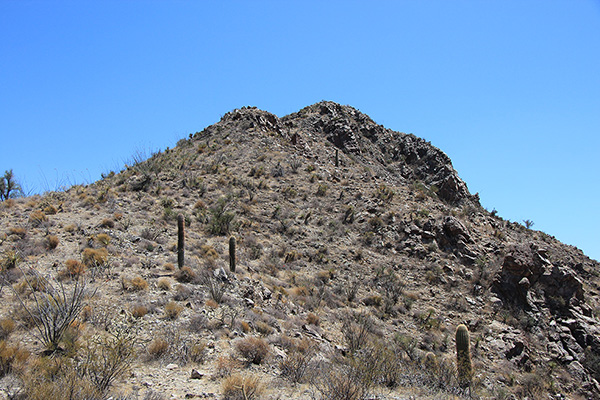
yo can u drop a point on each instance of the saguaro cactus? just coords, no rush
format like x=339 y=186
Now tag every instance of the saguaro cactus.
x=180 y=240
x=232 y=254
x=464 y=368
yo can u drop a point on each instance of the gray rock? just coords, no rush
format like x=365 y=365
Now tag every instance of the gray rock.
x=196 y=375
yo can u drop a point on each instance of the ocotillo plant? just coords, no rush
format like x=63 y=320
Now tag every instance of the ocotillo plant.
x=180 y=240
x=232 y=254
x=464 y=368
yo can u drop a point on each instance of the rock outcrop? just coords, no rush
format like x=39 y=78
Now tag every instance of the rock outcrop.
x=411 y=157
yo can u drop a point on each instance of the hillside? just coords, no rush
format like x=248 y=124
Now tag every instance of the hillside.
x=359 y=250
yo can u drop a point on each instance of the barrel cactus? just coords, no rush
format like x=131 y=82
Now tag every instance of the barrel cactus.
x=464 y=367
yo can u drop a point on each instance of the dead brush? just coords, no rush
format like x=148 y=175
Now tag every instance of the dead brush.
x=295 y=366
x=242 y=387
x=252 y=350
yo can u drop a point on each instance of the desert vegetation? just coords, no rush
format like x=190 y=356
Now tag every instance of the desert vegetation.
x=267 y=258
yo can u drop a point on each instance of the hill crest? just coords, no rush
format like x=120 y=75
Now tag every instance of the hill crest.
x=342 y=226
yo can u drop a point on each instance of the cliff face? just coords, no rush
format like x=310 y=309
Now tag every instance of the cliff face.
x=342 y=227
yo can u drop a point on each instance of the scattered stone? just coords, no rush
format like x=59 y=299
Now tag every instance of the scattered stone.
x=196 y=375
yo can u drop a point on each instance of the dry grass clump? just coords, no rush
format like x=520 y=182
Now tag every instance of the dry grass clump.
x=37 y=217
x=73 y=269
x=52 y=242
x=313 y=319
x=9 y=260
x=139 y=310
x=107 y=223
x=7 y=326
x=70 y=228
x=17 y=231
x=208 y=252
x=158 y=348
x=169 y=267
x=95 y=257
x=185 y=275
x=238 y=387
x=225 y=367
x=50 y=210
x=164 y=284
x=263 y=328
x=103 y=239
x=11 y=357
x=253 y=350
x=198 y=352
x=138 y=284
x=172 y=310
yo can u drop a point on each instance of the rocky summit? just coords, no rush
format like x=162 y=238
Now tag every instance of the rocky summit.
x=314 y=256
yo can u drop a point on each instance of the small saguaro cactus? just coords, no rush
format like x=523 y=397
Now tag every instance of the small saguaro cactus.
x=232 y=254
x=464 y=368
x=180 y=240
x=337 y=158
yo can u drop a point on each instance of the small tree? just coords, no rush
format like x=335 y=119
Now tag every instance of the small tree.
x=9 y=187
x=528 y=223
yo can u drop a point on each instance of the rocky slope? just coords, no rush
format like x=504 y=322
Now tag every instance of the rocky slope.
x=354 y=244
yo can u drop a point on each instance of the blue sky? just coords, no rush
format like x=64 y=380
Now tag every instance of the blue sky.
x=510 y=90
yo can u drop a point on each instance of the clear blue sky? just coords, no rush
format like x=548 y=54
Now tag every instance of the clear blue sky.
x=509 y=89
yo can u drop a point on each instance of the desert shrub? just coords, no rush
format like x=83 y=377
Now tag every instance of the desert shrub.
x=356 y=327
x=9 y=187
x=214 y=285
x=185 y=275
x=73 y=268
x=263 y=328
x=221 y=218
x=172 y=310
x=341 y=382
x=158 y=347
x=7 y=326
x=151 y=233
x=54 y=311
x=107 y=223
x=163 y=284
x=198 y=322
x=238 y=387
x=52 y=242
x=295 y=366
x=17 y=231
x=37 y=217
x=9 y=260
x=56 y=378
x=109 y=356
x=138 y=284
x=313 y=319
x=321 y=190
x=103 y=239
x=95 y=257
x=198 y=352
x=208 y=252
x=169 y=267
x=151 y=395
x=139 y=310
x=182 y=292
x=253 y=350
x=11 y=357
x=245 y=326
x=173 y=345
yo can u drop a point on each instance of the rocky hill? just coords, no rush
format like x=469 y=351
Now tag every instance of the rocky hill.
x=358 y=252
